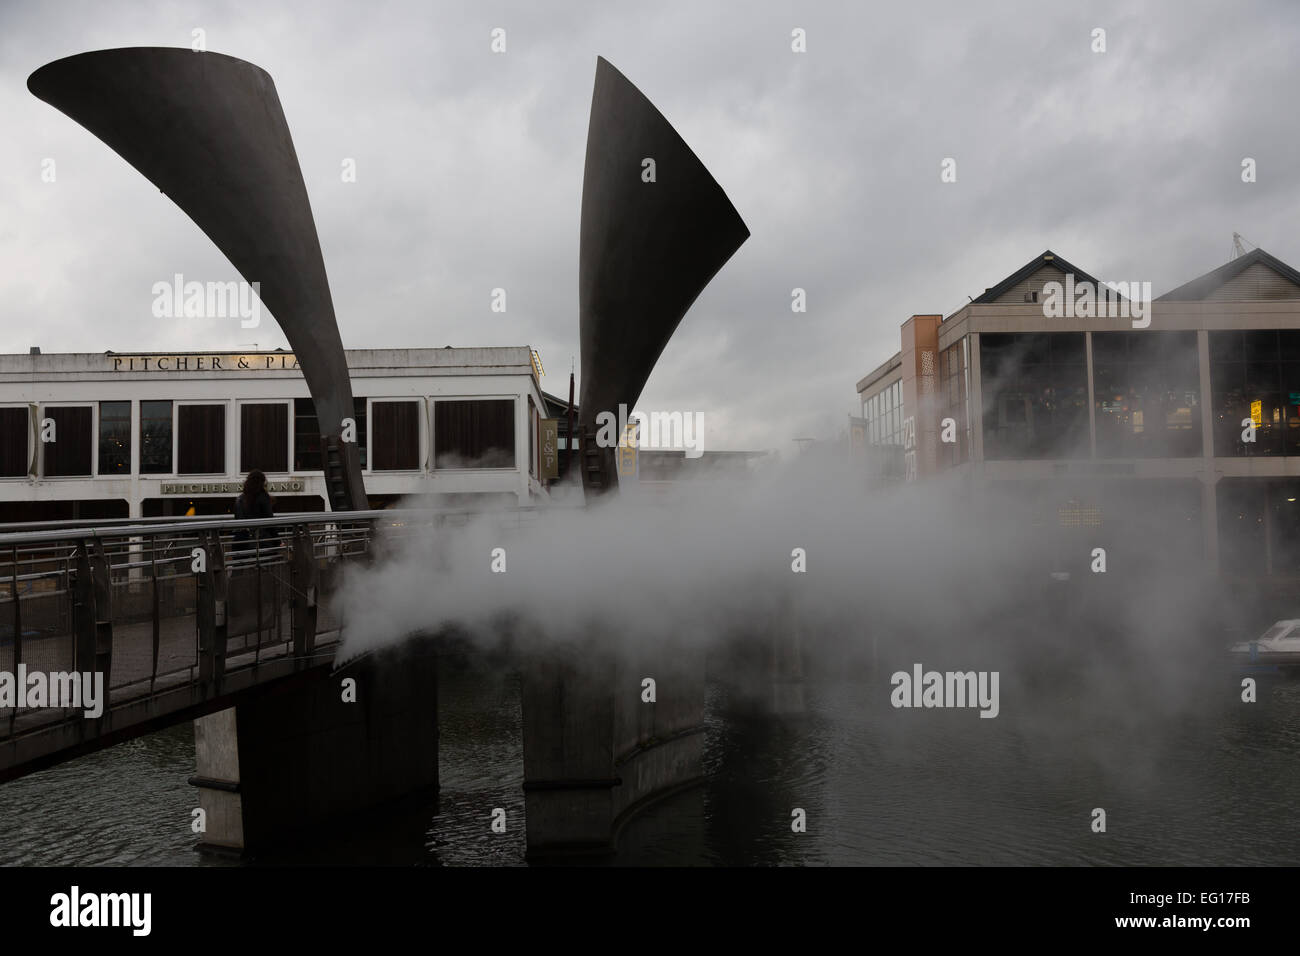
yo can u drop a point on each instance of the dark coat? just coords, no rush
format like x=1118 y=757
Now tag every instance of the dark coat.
x=260 y=508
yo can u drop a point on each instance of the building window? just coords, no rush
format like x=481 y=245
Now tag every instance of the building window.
x=264 y=437
x=63 y=510
x=1255 y=375
x=1242 y=505
x=1034 y=395
x=306 y=434
x=69 y=454
x=115 y=438
x=15 y=424
x=474 y=434
x=884 y=414
x=1146 y=386
x=533 y=425
x=1284 y=527
x=953 y=380
x=200 y=439
x=156 y=438
x=396 y=435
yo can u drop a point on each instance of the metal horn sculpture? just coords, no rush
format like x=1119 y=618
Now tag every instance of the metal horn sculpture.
x=208 y=131
x=647 y=250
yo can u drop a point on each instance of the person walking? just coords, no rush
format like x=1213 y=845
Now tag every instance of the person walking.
x=253 y=502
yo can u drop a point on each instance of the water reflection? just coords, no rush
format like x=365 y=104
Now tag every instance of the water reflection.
x=1209 y=784
x=936 y=787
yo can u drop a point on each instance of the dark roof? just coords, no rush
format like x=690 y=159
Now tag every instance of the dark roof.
x=1048 y=258
x=555 y=403
x=1199 y=288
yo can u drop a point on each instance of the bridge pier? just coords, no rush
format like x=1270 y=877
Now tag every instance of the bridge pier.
x=763 y=670
x=276 y=766
x=597 y=748
x=787 y=666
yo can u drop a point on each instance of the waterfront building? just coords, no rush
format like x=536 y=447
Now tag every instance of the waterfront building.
x=150 y=434
x=1186 y=407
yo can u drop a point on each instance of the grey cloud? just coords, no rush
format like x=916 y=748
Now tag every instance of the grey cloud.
x=470 y=171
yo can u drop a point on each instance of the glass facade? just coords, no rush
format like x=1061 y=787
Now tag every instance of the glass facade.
x=306 y=434
x=954 y=386
x=1259 y=526
x=15 y=424
x=1146 y=386
x=1255 y=375
x=68 y=455
x=1147 y=392
x=884 y=415
x=1146 y=389
x=474 y=434
x=264 y=437
x=156 y=438
x=395 y=435
x=115 y=438
x=201 y=439
x=1035 y=395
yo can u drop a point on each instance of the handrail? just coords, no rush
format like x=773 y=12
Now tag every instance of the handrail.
x=122 y=527
x=155 y=526
x=124 y=599
x=77 y=524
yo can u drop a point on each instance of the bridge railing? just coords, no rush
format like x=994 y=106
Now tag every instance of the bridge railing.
x=157 y=604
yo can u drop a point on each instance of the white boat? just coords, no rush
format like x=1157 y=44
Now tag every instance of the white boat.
x=1279 y=646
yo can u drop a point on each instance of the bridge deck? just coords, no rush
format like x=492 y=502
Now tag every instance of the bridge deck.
x=88 y=601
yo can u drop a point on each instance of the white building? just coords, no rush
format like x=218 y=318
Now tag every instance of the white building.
x=86 y=435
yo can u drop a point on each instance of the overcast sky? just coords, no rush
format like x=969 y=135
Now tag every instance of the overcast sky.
x=469 y=172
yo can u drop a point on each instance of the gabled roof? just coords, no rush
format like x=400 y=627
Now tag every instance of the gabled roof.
x=1201 y=287
x=555 y=404
x=1048 y=258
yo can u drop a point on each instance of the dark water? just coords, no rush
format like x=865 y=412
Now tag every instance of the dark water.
x=1214 y=784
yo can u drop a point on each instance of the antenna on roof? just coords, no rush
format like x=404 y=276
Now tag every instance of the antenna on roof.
x=1237 y=248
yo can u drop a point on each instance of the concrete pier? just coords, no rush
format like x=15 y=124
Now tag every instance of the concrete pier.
x=785 y=667
x=274 y=767
x=597 y=748
x=763 y=671
x=659 y=745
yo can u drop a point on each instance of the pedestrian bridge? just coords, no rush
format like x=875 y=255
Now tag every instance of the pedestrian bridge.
x=177 y=620
x=176 y=616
